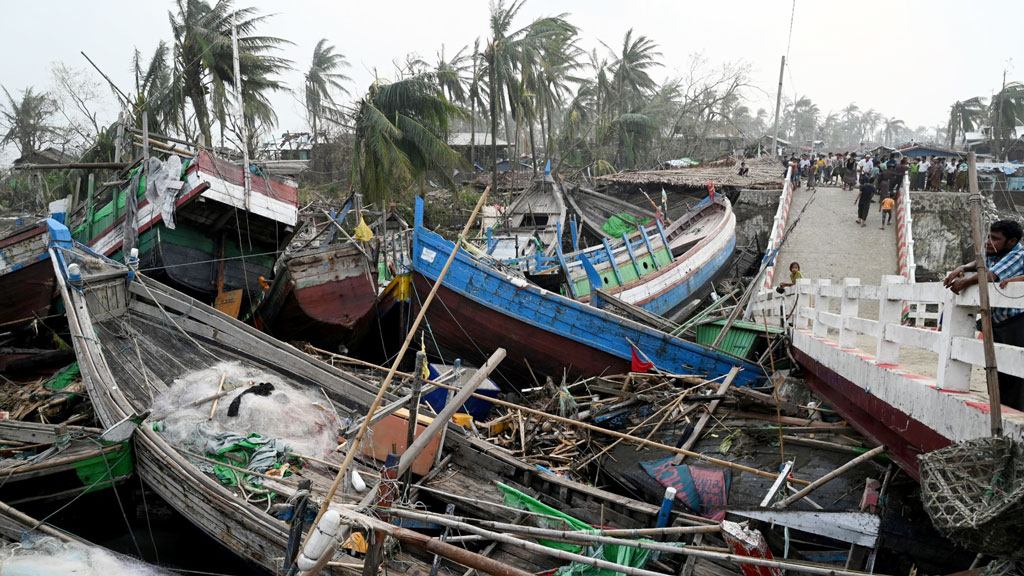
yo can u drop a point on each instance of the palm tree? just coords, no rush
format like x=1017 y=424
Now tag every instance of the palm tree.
x=398 y=128
x=153 y=93
x=203 y=67
x=632 y=86
x=503 y=58
x=450 y=75
x=964 y=116
x=630 y=77
x=868 y=122
x=1005 y=111
x=27 y=120
x=891 y=128
x=476 y=96
x=322 y=78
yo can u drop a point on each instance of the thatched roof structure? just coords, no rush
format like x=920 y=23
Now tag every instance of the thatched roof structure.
x=764 y=174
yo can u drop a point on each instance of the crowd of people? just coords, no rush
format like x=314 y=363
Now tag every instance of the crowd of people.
x=884 y=173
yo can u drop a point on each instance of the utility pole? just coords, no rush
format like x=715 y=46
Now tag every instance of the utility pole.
x=778 y=103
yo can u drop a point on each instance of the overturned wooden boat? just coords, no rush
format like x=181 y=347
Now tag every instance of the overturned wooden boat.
x=484 y=307
x=199 y=229
x=138 y=339
x=531 y=224
x=43 y=462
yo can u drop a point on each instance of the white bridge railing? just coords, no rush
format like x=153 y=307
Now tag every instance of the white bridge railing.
x=778 y=230
x=832 y=312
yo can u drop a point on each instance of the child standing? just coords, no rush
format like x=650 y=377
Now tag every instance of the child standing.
x=886 y=209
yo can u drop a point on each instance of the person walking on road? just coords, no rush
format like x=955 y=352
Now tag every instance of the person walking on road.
x=863 y=202
x=886 y=209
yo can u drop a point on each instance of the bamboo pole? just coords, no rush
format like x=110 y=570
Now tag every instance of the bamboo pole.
x=33 y=524
x=788 y=565
x=354 y=444
x=831 y=475
x=991 y=372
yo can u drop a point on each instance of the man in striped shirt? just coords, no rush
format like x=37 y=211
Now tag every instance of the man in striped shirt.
x=1004 y=257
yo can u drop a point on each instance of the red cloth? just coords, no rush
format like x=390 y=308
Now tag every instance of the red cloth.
x=639 y=365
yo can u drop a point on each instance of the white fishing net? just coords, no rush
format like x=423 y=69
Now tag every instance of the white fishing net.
x=37 y=556
x=298 y=416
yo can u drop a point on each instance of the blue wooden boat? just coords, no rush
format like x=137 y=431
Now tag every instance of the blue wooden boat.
x=657 y=268
x=481 y=307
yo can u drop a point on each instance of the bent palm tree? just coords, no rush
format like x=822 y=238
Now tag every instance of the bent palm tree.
x=1006 y=111
x=964 y=116
x=322 y=78
x=891 y=128
x=153 y=93
x=203 y=67
x=397 y=134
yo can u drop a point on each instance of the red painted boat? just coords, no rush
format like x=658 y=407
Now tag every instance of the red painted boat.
x=325 y=296
x=27 y=285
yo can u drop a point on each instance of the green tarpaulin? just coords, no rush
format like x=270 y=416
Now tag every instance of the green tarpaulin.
x=557 y=520
x=623 y=223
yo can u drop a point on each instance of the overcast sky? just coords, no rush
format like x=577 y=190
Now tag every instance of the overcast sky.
x=908 y=59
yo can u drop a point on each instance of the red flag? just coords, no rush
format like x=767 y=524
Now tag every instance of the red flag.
x=639 y=365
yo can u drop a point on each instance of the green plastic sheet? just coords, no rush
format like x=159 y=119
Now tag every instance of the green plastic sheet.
x=558 y=520
x=623 y=223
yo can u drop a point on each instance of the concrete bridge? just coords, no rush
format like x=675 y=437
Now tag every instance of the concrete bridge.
x=870 y=339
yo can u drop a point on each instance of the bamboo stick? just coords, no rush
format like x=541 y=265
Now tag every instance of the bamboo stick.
x=706 y=417
x=354 y=444
x=216 y=399
x=830 y=476
x=33 y=524
x=789 y=565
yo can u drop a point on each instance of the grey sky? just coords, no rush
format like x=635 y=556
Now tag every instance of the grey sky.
x=908 y=59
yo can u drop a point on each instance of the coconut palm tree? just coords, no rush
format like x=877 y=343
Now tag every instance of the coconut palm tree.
x=203 y=65
x=632 y=87
x=323 y=78
x=398 y=134
x=1005 y=112
x=27 y=120
x=891 y=129
x=153 y=94
x=504 y=58
x=964 y=117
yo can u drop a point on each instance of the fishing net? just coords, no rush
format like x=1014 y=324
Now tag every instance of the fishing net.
x=300 y=418
x=47 y=555
x=974 y=493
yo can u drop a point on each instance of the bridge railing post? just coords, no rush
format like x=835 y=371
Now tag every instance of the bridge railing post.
x=848 y=309
x=803 y=288
x=890 y=313
x=957 y=321
x=821 y=305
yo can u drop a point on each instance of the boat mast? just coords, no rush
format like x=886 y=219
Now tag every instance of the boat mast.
x=243 y=132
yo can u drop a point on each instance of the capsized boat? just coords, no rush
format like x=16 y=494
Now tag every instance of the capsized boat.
x=482 y=307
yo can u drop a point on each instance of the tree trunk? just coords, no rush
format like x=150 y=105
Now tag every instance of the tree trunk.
x=533 y=149
x=198 y=98
x=494 y=126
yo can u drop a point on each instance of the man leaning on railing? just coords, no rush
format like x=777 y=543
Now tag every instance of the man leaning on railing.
x=1004 y=257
